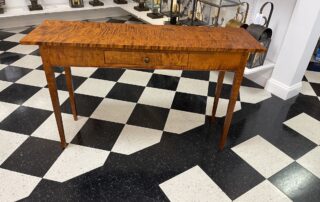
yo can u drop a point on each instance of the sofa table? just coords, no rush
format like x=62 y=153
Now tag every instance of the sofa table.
x=105 y=45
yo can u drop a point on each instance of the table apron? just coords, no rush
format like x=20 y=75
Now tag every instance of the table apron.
x=176 y=60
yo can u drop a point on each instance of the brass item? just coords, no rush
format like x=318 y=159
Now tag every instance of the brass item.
x=240 y=22
x=76 y=3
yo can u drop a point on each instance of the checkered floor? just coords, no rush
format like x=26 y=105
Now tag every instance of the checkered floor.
x=147 y=136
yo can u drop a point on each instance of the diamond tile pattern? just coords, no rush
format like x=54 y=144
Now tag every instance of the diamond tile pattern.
x=147 y=135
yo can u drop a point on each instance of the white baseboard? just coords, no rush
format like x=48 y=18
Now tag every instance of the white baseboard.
x=281 y=90
x=261 y=77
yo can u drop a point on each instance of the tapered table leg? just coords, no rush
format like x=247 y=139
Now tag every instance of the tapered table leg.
x=238 y=76
x=55 y=101
x=217 y=95
x=71 y=92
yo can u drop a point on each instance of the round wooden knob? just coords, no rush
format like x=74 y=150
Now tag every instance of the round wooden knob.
x=146 y=60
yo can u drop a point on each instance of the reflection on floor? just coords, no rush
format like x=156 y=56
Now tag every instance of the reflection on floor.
x=147 y=136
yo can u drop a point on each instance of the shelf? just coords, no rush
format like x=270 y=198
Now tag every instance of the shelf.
x=48 y=9
x=268 y=65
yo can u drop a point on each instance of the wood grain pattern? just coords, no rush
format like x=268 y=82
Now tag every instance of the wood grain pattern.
x=141 y=37
x=107 y=45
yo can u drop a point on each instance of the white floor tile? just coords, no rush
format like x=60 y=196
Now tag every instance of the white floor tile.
x=176 y=73
x=307 y=89
x=42 y=99
x=306 y=126
x=9 y=142
x=134 y=138
x=28 y=61
x=34 y=78
x=193 y=185
x=114 y=110
x=193 y=86
x=312 y=76
x=253 y=95
x=157 y=97
x=4 y=85
x=49 y=130
x=311 y=161
x=24 y=49
x=15 y=186
x=228 y=78
x=263 y=192
x=2 y=65
x=134 y=77
x=95 y=87
x=182 y=121
x=16 y=29
x=6 y=109
x=76 y=160
x=83 y=71
x=222 y=107
x=15 y=38
x=262 y=156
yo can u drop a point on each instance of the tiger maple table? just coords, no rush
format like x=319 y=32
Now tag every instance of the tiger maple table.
x=102 y=45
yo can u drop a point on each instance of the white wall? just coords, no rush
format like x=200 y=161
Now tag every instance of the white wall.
x=298 y=46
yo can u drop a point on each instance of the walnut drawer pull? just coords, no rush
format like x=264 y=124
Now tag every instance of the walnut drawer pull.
x=146 y=60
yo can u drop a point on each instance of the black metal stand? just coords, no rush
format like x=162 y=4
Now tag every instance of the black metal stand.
x=120 y=1
x=173 y=20
x=154 y=15
x=35 y=7
x=96 y=3
x=141 y=7
x=1 y=10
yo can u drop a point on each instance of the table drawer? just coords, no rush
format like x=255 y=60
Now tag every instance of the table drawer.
x=146 y=59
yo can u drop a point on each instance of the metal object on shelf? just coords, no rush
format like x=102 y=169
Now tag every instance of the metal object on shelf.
x=171 y=9
x=154 y=6
x=76 y=3
x=120 y=1
x=141 y=6
x=2 y=3
x=263 y=34
x=96 y=3
x=240 y=22
x=34 y=5
x=217 y=20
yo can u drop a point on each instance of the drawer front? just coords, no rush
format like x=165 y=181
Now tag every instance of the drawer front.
x=143 y=59
x=215 y=61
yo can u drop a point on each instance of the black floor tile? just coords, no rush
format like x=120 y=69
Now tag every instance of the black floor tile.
x=297 y=183
x=316 y=88
x=18 y=93
x=231 y=173
x=189 y=102
x=34 y=157
x=8 y=57
x=56 y=69
x=61 y=82
x=85 y=104
x=12 y=73
x=164 y=82
x=6 y=45
x=36 y=52
x=4 y=35
x=125 y=92
x=111 y=74
x=24 y=120
x=149 y=116
x=98 y=134
x=225 y=92
x=249 y=83
x=28 y=30
x=202 y=75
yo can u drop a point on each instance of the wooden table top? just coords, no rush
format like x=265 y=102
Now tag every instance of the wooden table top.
x=141 y=37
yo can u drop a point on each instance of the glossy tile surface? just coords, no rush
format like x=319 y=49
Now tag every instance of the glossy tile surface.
x=146 y=135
